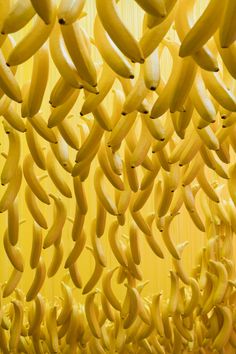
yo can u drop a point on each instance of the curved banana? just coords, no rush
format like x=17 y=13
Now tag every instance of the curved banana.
x=56 y=261
x=8 y=83
x=69 y=11
x=104 y=198
x=39 y=80
x=38 y=281
x=39 y=314
x=32 y=180
x=34 y=210
x=116 y=29
x=16 y=326
x=45 y=9
x=51 y=324
x=75 y=276
x=227 y=33
x=60 y=93
x=12 y=283
x=54 y=233
x=12 y=117
x=133 y=307
x=107 y=289
x=13 y=157
x=37 y=244
x=31 y=42
x=98 y=248
x=14 y=253
x=42 y=129
x=77 y=248
x=90 y=312
x=77 y=47
x=194 y=301
x=110 y=53
x=96 y=275
x=198 y=35
x=226 y=328
x=12 y=190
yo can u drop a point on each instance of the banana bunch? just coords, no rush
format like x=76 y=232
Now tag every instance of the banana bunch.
x=117 y=150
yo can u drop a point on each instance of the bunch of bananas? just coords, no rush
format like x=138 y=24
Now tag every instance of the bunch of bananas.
x=130 y=144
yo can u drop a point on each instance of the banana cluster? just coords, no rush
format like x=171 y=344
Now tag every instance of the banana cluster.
x=149 y=142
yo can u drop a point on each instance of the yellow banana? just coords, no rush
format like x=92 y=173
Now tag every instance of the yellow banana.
x=110 y=53
x=167 y=238
x=37 y=244
x=116 y=245
x=198 y=35
x=45 y=9
x=227 y=34
x=107 y=290
x=90 y=312
x=34 y=210
x=12 y=283
x=38 y=280
x=51 y=324
x=55 y=230
x=134 y=243
x=8 y=83
x=32 y=180
x=57 y=258
x=38 y=80
x=226 y=328
x=96 y=275
x=77 y=47
x=104 y=198
x=69 y=11
x=40 y=126
x=31 y=42
x=14 y=253
x=12 y=190
x=13 y=156
x=97 y=246
x=12 y=117
x=16 y=326
x=116 y=29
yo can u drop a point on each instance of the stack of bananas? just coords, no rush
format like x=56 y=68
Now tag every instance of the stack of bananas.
x=127 y=133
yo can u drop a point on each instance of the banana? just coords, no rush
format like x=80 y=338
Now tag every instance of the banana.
x=37 y=244
x=59 y=113
x=20 y=14
x=204 y=57
x=14 y=253
x=105 y=165
x=76 y=44
x=39 y=80
x=12 y=117
x=62 y=59
x=45 y=10
x=227 y=55
x=205 y=185
x=133 y=306
x=12 y=190
x=152 y=37
x=227 y=34
x=110 y=53
x=120 y=130
x=222 y=281
x=69 y=11
x=96 y=275
x=107 y=289
x=90 y=312
x=67 y=304
x=151 y=240
x=75 y=276
x=55 y=176
x=105 y=84
x=31 y=42
x=136 y=95
x=155 y=8
x=217 y=88
x=8 y=83
x=116 y=29
x=12 y=283
x=38 y=315
x=167 y=238
x=194 y=301
x=51 y=324
x=57 y=258
x=54 y=233
x=134 y=243
x=32 y=180
x=107 y=308
x=97 y=246
x=13 y=157
x=78 y=247
x=80 y=195
x=226 y=328
x=60 y=93
x=39 y=124
x=103 y=197
x=166 y=196
x=34 y=210
x=16 y=325
x=198 y=35
x=38 y=280
x=116 y=245
x=174 y=293
x=69 y=134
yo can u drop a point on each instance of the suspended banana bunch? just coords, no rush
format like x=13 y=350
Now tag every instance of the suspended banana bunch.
x=117 y=159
